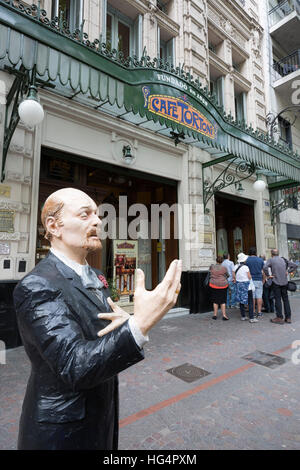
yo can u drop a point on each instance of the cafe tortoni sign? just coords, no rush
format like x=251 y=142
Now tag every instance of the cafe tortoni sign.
x=178 y=110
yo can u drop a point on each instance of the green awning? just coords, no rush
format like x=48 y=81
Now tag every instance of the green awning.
x=148 y=93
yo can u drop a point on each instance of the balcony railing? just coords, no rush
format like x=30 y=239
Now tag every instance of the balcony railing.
x=281 y=10
x=287 y=65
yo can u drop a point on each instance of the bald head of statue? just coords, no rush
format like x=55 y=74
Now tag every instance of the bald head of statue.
x=69 y=217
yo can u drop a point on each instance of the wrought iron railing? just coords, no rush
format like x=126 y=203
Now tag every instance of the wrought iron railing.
x=281 y=10
x=287 y=65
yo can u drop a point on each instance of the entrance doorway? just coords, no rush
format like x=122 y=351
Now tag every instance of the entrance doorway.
x=235 y=225
x=105 y=183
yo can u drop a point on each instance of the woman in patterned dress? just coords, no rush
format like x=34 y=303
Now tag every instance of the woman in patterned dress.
x=244 y=294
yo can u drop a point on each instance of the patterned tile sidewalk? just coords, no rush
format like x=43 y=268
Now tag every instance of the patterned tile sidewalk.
x=239 y=405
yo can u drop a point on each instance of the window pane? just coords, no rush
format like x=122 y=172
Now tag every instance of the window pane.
x=64 y=6
x=109 y=32
x=123 y=38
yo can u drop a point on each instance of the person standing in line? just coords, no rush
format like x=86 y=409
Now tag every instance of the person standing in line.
x=255 y=265
x=244 y=294
x=229 y=265
x=268 y=296
x=280 y=268
x=218 y=285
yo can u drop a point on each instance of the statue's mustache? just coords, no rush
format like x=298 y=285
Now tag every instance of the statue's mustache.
x=92 y=233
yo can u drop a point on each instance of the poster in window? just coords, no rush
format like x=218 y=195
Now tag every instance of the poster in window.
x=238 y=241
x=125 y=263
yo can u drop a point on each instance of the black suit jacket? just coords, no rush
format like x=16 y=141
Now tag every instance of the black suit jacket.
x=71 y=401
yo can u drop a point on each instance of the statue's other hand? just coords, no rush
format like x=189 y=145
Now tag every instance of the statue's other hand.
x=117 y=318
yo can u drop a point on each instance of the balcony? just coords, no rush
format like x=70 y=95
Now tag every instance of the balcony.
x=285 y=71
x=284 y=21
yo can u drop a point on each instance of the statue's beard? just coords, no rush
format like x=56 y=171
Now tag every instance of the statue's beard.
x=90 y=243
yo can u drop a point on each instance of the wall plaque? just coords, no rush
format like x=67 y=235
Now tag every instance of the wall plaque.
x=5 y=190
x=7 y=221
x=4 y=249
x=206 y=238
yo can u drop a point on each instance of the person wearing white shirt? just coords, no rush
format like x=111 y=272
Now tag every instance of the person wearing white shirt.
x=244 y=294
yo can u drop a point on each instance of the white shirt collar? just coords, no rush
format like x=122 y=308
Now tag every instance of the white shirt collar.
x=78 y=268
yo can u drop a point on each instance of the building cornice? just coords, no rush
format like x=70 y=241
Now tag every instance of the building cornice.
x=240 y=43
x=240 y=28
x=236 y=13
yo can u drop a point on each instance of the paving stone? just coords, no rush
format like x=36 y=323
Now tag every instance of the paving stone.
x=257 y=408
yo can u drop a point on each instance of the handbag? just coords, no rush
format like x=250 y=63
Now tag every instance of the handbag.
x=207 y=279
x=269 y=283
x=251 y=286
x=291 y=286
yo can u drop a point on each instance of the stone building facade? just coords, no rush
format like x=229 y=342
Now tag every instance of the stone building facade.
x=221 y=44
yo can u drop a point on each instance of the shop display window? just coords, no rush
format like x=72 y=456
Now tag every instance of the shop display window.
x=106 y=184
x=294 y=255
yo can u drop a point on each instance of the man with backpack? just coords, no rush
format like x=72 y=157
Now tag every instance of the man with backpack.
x=280 y=267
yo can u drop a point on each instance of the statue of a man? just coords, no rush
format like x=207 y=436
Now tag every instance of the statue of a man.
x=71 y=400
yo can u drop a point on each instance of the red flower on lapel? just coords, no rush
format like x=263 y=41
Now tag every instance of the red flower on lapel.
x=103 y=280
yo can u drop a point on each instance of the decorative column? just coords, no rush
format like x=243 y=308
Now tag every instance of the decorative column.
x=257 y=99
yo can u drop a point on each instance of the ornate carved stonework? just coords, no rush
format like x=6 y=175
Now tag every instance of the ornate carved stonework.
x=15 y=206
x=256 y=42
x=21 y=151
x=227 y=27
x=14 y=237
x=17 y=177
x=153 y=9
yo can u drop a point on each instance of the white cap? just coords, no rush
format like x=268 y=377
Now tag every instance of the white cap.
x=242 y=257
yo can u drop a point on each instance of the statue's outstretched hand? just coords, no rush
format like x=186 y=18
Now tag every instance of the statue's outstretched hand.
x=151 y=306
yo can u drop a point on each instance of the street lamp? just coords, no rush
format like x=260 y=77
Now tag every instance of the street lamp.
x=30 y=110
x=259 y=185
